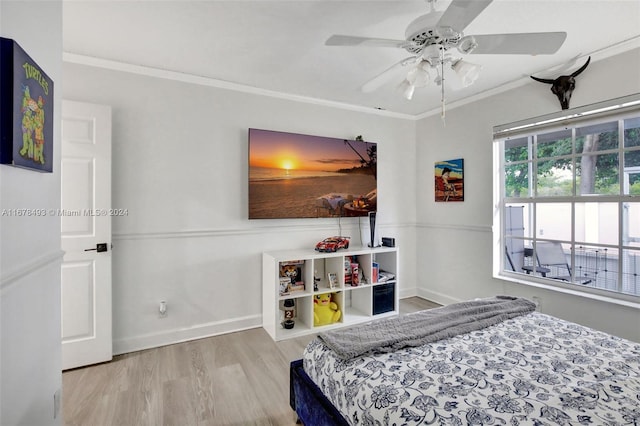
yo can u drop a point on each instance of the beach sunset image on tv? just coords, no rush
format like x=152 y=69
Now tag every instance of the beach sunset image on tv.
x=302 y=176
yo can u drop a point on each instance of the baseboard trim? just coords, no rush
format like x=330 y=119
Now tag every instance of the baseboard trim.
x=439 y=298
x=408 y=292
x=170 y=337
x=179 y=335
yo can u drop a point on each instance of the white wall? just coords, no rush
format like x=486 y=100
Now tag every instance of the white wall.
x=180 y=168
x=30 y=252
x=459 y=234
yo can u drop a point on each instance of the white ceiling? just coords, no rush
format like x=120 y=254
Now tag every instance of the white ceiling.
x=279 y=45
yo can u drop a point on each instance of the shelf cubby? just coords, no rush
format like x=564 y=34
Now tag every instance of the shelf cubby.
x=357 y=303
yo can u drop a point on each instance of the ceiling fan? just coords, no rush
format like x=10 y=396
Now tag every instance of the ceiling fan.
x=430 y=37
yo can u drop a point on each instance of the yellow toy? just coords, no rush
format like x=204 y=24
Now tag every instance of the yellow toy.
x=324 y=310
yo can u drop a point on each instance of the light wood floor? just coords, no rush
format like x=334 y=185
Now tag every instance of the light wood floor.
x=233 y=379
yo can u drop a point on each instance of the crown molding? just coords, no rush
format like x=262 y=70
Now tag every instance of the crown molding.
x=597 y=55
x=108 y=64
x=74 y=58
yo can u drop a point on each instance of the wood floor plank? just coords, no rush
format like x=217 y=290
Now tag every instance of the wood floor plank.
x=178 y=403
x=171 y=362
x=201 y=383
x=137 y=407
x=81 y=401
x=414 y=304
x=234 y=379
x=221 y=350
x=264 y=372
x=235 y=399
x=102 y=412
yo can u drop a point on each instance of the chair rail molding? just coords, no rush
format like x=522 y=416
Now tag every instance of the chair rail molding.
x=11 y=277
x=455 y=227
x=260 y=230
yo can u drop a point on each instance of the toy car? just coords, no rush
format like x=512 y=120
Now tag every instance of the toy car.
x=332 y=244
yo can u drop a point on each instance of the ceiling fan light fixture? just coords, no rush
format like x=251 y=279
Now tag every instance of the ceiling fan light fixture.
x=467 y=72
x=418 y=76
x=407 y=89
x=467 y=44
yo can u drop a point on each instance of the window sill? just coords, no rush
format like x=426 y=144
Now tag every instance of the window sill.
x=585 y=292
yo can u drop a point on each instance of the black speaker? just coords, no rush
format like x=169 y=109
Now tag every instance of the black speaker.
x=388 y=242
x=384 y=297
x=372 y=229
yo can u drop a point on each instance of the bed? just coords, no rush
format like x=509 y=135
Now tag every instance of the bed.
x=527 y=368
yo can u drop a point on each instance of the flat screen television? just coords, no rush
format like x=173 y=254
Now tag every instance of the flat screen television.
x=301 y=176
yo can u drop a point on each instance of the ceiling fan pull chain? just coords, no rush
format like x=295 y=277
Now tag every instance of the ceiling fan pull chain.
x=442 y=114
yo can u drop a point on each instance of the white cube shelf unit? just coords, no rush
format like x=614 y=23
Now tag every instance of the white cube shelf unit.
x=371 y=298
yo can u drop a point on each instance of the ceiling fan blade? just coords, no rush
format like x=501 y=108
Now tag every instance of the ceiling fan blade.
x=386 y=75
x=460 y=13
x=345 y=40
x=519 y=43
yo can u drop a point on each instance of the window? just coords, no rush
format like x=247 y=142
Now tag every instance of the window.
x=568 y=188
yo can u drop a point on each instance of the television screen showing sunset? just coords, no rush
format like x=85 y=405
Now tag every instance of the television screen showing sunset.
x=293 y=175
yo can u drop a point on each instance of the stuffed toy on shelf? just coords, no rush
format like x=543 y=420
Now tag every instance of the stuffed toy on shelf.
x=324 y=310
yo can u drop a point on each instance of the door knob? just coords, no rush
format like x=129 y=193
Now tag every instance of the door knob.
x=100 y=247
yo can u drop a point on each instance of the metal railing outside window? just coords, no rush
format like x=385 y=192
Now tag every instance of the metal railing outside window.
x=568 y=188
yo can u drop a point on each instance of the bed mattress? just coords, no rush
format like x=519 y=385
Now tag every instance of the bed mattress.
x=534 y=369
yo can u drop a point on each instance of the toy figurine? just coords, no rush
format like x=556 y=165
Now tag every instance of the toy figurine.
x=289 y=314
x=324 y=310
x=290 y=271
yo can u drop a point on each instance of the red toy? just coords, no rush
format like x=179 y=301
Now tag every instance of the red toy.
x=332 y=244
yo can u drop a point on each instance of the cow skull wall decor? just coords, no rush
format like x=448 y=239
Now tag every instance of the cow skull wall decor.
x=564 y=85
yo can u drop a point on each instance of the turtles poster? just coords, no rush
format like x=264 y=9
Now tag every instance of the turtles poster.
x=26 y=110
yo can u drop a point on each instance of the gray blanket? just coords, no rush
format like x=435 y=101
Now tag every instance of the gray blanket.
x=424 y=327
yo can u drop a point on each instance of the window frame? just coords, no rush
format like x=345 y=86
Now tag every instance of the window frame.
x=572 y=120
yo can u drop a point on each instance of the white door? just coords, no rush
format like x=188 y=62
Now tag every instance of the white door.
x=86 y=232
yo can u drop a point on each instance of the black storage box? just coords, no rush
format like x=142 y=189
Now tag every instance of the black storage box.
x=384 y=297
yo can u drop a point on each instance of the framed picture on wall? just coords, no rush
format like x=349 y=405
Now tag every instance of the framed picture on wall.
x=449 y=180
x=26 y=110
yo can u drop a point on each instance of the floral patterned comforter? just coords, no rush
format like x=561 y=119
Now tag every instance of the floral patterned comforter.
x=530 y=370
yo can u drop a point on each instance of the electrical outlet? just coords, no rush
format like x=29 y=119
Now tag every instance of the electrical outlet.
x=162 y=309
